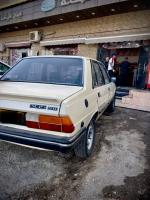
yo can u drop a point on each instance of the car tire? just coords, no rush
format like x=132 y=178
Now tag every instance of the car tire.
x=111 y=107
x=84 y=147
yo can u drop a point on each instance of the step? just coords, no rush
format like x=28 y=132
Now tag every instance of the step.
x=127 y=100
x=117 y=97
x=140 y=93
x=123 y=89
x=137 y=99
x=131 y=106
x=121 y=94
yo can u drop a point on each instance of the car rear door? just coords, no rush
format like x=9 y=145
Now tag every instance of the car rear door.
x=99 y=86
x=107 y=82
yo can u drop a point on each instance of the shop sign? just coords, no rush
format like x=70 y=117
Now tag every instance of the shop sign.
x=68 y=2
x=8 y=16
x=48 y=5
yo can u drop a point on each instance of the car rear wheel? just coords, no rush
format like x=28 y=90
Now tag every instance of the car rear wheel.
x=85 y=146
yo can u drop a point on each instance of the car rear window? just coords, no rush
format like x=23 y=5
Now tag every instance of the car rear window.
x=65 y=71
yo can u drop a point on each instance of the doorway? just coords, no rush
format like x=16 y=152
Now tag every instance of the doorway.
x=136 y=54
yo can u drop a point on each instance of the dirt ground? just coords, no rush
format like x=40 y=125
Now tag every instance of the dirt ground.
x=119 y=168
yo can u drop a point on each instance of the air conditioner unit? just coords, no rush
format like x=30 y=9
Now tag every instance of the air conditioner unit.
x=2 y=47
x=34 y=36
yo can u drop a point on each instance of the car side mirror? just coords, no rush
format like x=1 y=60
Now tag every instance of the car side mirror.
x=113 y=79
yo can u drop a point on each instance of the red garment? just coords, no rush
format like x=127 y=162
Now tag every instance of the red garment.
x=148 y=77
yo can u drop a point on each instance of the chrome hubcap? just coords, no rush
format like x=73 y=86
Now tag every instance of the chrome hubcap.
x=90 y=137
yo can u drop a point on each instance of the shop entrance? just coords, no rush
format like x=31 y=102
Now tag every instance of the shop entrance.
x=136 y=54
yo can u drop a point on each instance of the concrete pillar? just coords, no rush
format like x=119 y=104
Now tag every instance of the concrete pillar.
x=45 y=51
x=88 y=50
x=35 y=49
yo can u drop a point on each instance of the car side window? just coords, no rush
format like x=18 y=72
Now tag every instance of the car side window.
x=98 y=74
x=105 y=75
x=94 y=79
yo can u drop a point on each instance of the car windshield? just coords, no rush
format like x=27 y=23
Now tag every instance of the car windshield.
x=54 y=70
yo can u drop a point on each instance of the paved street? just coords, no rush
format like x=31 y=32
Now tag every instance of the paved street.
x=118 y=169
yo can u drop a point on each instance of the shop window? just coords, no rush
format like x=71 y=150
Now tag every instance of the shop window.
x=64 y=50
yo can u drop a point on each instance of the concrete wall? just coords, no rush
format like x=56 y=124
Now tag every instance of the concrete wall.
x=127 y=23
x=88 y=50
x=5 y=4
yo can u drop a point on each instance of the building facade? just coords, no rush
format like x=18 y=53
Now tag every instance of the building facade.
x=93 y=28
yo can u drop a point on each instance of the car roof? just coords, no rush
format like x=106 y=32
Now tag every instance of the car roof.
x=63 y=56
x=57 y=56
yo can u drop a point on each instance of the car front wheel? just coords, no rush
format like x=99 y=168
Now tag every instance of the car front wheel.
x=85 y=146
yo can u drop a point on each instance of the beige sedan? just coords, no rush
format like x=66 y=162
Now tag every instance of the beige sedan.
x=53 y=102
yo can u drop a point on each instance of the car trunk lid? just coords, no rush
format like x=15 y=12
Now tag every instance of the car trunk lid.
x=34 y=97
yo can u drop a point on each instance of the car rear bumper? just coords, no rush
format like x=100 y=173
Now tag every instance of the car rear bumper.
x=39 y=140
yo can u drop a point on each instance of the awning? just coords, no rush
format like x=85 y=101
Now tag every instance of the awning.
x=118 y=38
x=63 y=42
x=18 y=44
x=95 y=40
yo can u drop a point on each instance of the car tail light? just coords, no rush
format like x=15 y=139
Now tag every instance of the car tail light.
x=32 y=120
x=31 y=124
x=67 y=125
x=52 y=123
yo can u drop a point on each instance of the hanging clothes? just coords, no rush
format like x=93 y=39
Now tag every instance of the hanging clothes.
x=148 y=77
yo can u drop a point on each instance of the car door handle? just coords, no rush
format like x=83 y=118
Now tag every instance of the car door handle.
x=99 y=95
x=109 y=89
